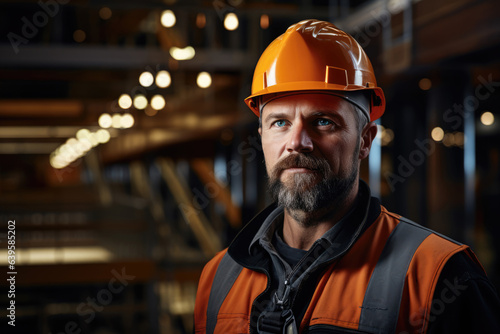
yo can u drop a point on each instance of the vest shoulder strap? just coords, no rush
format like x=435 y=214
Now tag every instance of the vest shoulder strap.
x=225 y=276
x=381 y=304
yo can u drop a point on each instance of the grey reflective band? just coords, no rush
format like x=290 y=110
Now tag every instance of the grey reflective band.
x=380 y=310
x=225 y=276
x=359 y=98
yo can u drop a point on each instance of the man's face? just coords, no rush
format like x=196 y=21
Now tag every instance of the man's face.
x=311 y=147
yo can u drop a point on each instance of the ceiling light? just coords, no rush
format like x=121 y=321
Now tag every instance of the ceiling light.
x=116 y=121
x=157 y=102
x=57 y=162
x=79 y=36
x=182 y=53
x=201 y=20
x=264 y=21
x=105 y=13
x=67 y=153
x=82 y=134
x=168 y=18
x=102 y=136
x=93 y=139
x=65 y=160
x=86 y=144
x=387 y=136
x=437 y=134
x=146 y=79
x=125 y=101
x=127 y=121
x=231 y=21
x=76 y=146
x=487 y=118
x=140 y=102
x=204 y=80
x=163 y=79
x=459 y=139
x=449 y=139
x=105 y=121
x=425 y=84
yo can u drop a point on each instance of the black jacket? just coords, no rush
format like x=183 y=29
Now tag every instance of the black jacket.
x=464 y=299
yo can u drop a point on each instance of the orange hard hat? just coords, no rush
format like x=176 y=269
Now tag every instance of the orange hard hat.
x=315 y=55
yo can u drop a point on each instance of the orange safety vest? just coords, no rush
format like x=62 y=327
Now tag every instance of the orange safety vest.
x=384 y=284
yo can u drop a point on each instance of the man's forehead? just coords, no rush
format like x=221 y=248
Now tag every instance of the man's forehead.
x=323 y=100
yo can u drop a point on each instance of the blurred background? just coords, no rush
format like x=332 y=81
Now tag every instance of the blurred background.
x=128 y=158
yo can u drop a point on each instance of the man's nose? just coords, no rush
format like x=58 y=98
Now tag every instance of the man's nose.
x=299 y=140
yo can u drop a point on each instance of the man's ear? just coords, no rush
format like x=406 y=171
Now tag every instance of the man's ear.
x=260 y=131
x=367 y=136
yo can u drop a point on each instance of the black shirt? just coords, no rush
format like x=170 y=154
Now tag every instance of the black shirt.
x=291 y=255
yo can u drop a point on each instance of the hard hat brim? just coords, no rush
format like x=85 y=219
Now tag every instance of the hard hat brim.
x=377 y=108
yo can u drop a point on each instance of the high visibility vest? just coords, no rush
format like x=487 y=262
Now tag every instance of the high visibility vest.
x=384 y=284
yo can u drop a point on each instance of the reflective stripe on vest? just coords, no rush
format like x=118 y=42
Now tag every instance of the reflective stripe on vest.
x=388 y=278
x=227 y=273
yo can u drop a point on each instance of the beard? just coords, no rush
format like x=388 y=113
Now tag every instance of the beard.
x=311 y=194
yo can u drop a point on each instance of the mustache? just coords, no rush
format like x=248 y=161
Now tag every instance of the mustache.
x=300 y=161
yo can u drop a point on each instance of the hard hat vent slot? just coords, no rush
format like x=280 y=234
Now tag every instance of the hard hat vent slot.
x=337 y=76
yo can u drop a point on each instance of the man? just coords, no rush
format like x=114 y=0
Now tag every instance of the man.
x=326 y=257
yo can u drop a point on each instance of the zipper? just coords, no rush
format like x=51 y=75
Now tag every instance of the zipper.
x=263 y=292
x=326 y=264
x=294 y=271
x=284 y=300
x=348 y=246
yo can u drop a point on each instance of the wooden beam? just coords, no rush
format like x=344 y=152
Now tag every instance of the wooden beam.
x=221 y=193
x=41 y=108
x=459 y=31
x=203 y=231
x=130 y=271
x=114 y=57
x=94 y=166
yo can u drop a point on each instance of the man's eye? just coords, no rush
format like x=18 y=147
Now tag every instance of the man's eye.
x=280 y=123
x=324 y=122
